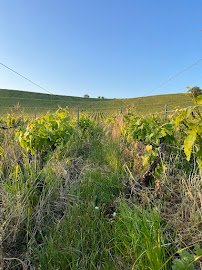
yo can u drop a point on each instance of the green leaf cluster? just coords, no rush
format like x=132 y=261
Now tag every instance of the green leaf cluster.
x=85 y=122
x=150 y=130
x=189 y=124
x=47 y=132
x=187 y=260
x=13 y=121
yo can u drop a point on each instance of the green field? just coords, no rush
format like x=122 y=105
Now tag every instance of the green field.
x=46 y=102
x=119 y=194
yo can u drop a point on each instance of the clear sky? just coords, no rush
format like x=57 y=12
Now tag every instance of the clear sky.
x=111 y=48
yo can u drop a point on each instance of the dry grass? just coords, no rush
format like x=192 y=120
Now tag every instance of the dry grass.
x=178 y=193
x=75 y=178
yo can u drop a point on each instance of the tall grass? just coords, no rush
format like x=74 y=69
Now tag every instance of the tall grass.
x=73 y=214
x=80 y=241
x=138 y=237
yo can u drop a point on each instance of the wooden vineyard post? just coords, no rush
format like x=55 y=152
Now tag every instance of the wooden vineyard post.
x=35 y=113
x=121 y=111
x=78 y=123
x=166 y=111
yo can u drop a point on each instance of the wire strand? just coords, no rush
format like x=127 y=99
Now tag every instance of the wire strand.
x=108 y=107
x=26 y=78
x=171 y=78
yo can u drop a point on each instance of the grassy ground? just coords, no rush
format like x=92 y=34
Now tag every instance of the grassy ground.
x=86 y=209
x=45 y=102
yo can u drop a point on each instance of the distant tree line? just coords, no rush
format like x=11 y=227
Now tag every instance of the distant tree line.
x=87 y=96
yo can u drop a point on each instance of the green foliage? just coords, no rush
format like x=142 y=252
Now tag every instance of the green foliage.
x=194 y=91
x=46 y=132
x=44 y=102
x=80 y=241
x=188 y=144
x=187 y=260
x=53 y=209
x=85 y=123
x=99 y=188
x=189 y=124
x=199 y=99
x=13 y=121
x=139 y=237
x=184 y=129
x=149 y=129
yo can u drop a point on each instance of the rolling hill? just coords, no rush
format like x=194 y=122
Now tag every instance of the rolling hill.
x=46 y=102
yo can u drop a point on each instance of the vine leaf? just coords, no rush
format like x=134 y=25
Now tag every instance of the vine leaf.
x=199 y=99
x=188 y=144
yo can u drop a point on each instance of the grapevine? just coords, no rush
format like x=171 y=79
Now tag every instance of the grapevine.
x=47 y=132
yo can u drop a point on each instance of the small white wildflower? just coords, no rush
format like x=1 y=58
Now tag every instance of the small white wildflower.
x=65 y=172
x=114 y=214
x=96 y=207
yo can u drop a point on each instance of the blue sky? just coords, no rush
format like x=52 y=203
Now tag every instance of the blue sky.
x=111 y=48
